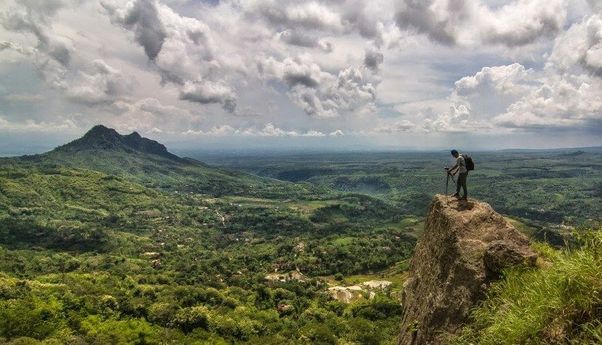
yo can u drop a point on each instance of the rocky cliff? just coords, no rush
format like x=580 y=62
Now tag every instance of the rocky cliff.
x=465 y=246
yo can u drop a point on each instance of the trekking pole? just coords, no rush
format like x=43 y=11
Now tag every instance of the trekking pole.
x=447 y=180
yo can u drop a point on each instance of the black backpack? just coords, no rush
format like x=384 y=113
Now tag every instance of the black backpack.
x=468 y=161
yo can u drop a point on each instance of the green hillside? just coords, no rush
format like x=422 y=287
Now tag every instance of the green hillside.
x=558 y=303
x=111 y=239
x=148 y=162
x=104 y=241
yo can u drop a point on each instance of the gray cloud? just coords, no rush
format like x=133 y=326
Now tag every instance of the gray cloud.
x=580 y=46
x=302 y=65
x=34 y=17
x=102 y=85
x=293 y=71
x=595 y=5
x=207 y=92
x=321 y=94
x=471 y=22
x=307 y=15
x=302 y=39
x=373 y=58
x=418 y=15
x=143 y=18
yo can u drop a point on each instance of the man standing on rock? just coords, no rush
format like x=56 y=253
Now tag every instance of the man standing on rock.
x=460 y=168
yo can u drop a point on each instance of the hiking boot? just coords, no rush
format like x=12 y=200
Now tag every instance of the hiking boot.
x=456 y=195
x=465 y=198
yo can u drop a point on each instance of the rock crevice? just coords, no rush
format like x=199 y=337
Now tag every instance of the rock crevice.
x=465 y=246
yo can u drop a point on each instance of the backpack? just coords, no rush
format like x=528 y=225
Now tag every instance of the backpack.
x=469 y=162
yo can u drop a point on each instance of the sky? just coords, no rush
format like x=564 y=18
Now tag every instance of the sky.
x=322 y=74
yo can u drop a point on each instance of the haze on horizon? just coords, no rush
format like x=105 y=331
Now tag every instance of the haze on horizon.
x=270 y=74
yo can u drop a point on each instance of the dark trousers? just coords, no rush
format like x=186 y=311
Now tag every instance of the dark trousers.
x=462 y=184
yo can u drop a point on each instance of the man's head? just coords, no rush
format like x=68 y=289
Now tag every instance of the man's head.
x=455 y=153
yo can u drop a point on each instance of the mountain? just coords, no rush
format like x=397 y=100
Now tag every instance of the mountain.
x=464 y=248
x=149 y=162
x=103 y=138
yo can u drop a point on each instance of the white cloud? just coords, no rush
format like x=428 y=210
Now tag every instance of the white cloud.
x=471 y=22
x=207 y=92
x=566 y=93
x=268 y=130
x=321 y=94
x=580 y=46
x=36 y=126
x=103 y=85
x=315 y=68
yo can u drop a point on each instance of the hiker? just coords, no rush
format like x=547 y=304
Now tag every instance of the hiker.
x=460 y=168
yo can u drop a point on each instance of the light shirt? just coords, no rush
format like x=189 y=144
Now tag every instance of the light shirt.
x=462 y=164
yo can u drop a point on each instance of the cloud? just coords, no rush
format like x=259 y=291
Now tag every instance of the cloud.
x=373 y=58
x=559 y=101
x=268 y=130
x=181 y=48
x=306 y=15
x=103 y=85
x=314 y=68
x=293 y=71
x=34 y=17
x=472 y=22
x=390 y=128
x=564 y=94
x=579 y=47
x=207 y=92
x=36 y=126
x=595 y=5
x=508 y=80
x=142 y=17
x=23 y=98
x=302 y=39
x=319 y=93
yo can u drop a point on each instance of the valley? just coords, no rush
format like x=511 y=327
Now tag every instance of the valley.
x=112 y=239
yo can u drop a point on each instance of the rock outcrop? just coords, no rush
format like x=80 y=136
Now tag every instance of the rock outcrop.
x=464 y=247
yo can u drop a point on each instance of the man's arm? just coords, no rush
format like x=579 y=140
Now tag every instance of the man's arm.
x=454 y=169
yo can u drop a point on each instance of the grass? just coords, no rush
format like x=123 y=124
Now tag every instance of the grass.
x=560 y=303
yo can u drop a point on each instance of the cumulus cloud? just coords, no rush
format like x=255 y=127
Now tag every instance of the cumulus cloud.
x=471 y=22
x=512 y=80
x=293 y=71
x=181 y=48
x=580 y=46
x=36 y=126
x=596 y=5
x=268 y=130
x=395 y=127
x=142 y=17
x=566 y=93
x=207 y=92
x=307 y=15
x=168 y=66
x=302 y=39
x=319 y=93
x=103 y=85
x=34 y=17
x=560 y=101
x=373 y=58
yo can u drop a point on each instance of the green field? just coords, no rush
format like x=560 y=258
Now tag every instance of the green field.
x=542 y=188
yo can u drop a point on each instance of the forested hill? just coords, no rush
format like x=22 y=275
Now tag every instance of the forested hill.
x=148 y=162
x=103 y=138
x=111 y=239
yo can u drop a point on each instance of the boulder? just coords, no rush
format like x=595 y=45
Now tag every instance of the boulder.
x=464 y=247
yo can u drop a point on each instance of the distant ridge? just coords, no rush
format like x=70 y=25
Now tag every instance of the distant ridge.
x=107 y=139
